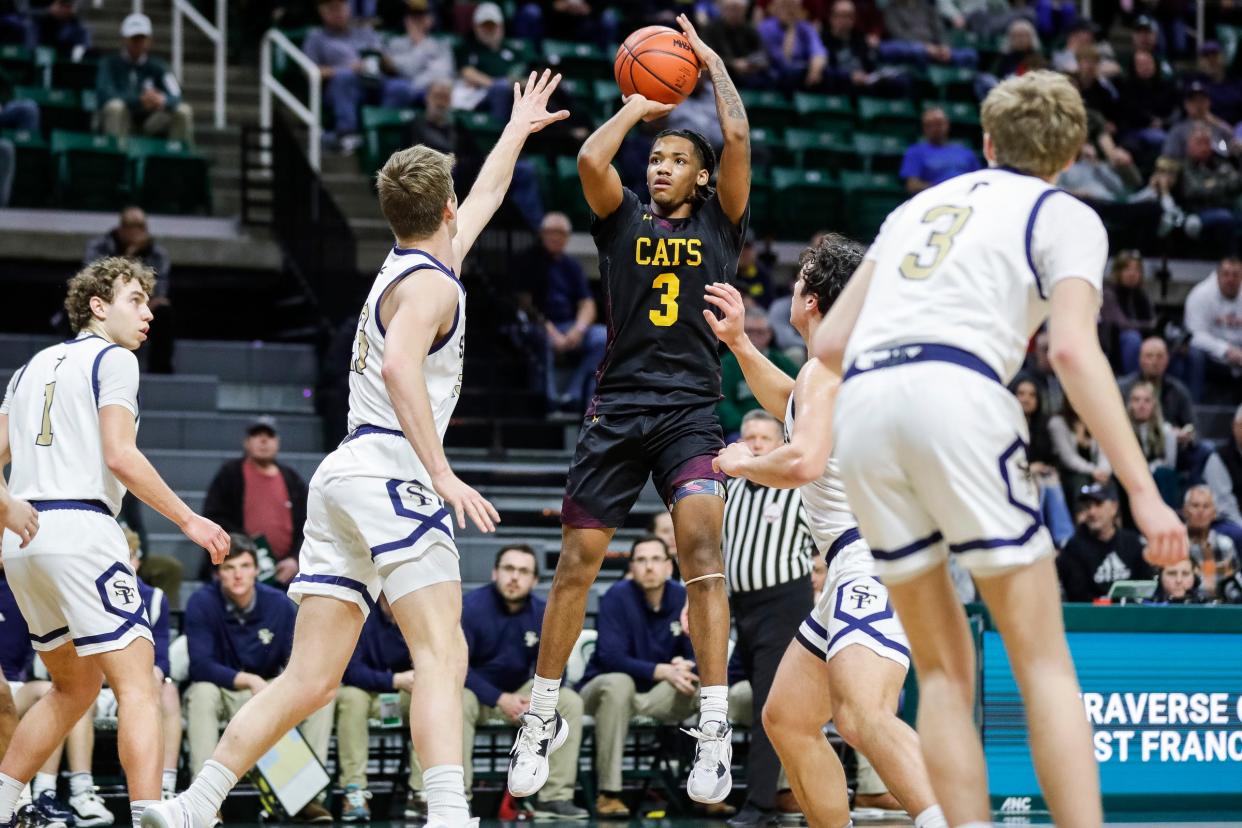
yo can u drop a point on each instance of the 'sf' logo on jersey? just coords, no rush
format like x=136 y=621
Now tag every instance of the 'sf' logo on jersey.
x=531 y=638
x=416 y=490
x=861 y=596
x=266 y=636
x=123 y=591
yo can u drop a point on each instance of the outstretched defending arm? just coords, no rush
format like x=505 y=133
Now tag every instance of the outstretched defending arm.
x=733 y=181
x=770 y=384
x=600 y=183
x=805 y=456
x=530 y=114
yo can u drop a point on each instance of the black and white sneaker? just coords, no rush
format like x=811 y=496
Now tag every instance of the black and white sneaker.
x=560 y=809
x=536 y=741
x=711 y=775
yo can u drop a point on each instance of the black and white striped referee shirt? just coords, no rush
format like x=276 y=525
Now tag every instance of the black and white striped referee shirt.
x=766 y=539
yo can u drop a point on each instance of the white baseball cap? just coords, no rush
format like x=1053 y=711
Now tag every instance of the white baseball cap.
x=488 y=13
x=136 y=25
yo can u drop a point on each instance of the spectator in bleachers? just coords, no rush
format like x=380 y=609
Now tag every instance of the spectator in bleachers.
x=643 y=663
x=796 y=54
x=502 y=623
x=738 y=398
x=583 y=21
x=1214 y=553
x=487 y=66
x=159 y=613
x=1213 y=315
x=1042 y=461
x=1157 y=438
x=753 y=278
x=240 y=635
x=1153 y=368
x=555 y=294
x=1038 y=367
x=853 y=58
x=986 y=18
x=132 y=239
x=1224 y=472
x=917 y=36
x=58 y=27
x=1207 y=189
x=737 y=42
x=380 y=664
x=934 y=159
x=1225 y=92
x=337 y=47
x=434 y=125
x=661 y=525
x=1098 y=93
x=137 y=92
x=258 y=495
x=1197 y=107
x=1079 y=459
x=21 y=115
x=1127 y=315
x=14 y=24
x=1081 y=35
x=416 y=58
x=1021 y=53
x=1101 y=551
x=1149 y=101
x=1106 y=178
x=1179 y=583
x=1145 y=37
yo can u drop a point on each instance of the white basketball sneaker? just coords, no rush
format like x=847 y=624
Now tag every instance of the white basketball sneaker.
x=170 y=813
x=536 y=741
x=711 y=775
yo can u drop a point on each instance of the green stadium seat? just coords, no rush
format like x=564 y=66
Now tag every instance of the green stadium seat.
x=803 y=201
x=828 y=112
x=814 y=149
x=605 y=98
x=768 y=148
x=384 y=131
x=880 y=153
x=888 y=116
x=92 y=172
x=58 y=108
x=18 y=63
x=168 y=176
x=869 y=198
x=32 y=174
x=526 y=51
x=482 y=128
x=543 y=175
x=964 y=122
x=950 y=83
x=769 y=109
x=760 y=196
x=579 y=60
x=567 y=187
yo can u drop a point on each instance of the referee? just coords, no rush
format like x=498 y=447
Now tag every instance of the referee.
x=767 y=551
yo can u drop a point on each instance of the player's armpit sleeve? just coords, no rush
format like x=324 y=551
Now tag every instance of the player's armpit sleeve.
x=1067 y=240
x=117 y=375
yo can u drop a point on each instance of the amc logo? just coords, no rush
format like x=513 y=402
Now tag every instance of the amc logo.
x=1016 y=805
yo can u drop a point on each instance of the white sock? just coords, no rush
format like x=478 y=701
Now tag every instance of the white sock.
x=544 y=694
x=207 y=792
x=136 y=808
x=24 y=798
x=713 y=706
x=932 y=817
x=10 y=790
x=80 y=783
x=169 y=781
x=444 y=790
x=42 y=783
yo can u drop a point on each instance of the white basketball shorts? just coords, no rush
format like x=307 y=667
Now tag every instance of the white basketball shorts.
x=932 y=449
x=73 y=582
x=366 y=531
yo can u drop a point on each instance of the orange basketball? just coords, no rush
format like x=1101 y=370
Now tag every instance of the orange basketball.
x=658 y=63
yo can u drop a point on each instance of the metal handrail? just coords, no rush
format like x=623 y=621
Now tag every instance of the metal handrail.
x=309 y=115
x=217 y=34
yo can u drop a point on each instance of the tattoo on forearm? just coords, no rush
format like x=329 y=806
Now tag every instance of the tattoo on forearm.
x=729 y=101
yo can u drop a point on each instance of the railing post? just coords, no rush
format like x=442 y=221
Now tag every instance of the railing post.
x=177 y=43
x=315 y=128
x=265 y=96
x=222 y=47
x=1200 y=22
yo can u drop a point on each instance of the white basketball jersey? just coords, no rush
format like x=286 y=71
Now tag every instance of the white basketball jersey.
x=369 y=404
x=971 y=262
x=53 y=405
x=832 y=523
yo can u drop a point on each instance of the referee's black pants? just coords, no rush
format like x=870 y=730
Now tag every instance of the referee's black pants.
x=767 y=620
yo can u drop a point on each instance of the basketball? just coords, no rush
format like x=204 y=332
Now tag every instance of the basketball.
x=658 y=63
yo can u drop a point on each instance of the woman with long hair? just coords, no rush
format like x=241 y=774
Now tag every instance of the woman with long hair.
x=1127 y=315
x=1078 y=454
x=1042 y=460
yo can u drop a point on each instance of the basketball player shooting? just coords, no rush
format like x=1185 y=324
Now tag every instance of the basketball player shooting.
x=654 y=414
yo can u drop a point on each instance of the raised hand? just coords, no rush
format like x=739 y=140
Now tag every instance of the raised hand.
x=730 y=328
x=530 y=105
x=730 y=458
x=208 y=535
x=704 y=52
x=650 y=110
x=1166 y=535
x=466 y=501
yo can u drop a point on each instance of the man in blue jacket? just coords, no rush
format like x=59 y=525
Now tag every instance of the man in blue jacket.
x=380 y=664
x=240 y=634
x=643 y=664
x=502 y=622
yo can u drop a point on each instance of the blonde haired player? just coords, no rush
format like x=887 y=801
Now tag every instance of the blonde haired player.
x=382 y=505
x=932 y=447
x=68 y=423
